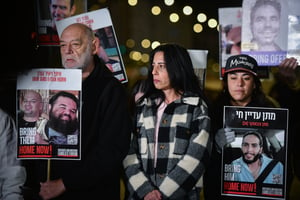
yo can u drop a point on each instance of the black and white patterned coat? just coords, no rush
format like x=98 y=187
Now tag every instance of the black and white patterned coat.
x=182 y=152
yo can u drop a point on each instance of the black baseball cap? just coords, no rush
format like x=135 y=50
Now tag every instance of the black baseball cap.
x=241 y=62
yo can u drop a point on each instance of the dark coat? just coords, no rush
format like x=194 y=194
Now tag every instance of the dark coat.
x=106 y=128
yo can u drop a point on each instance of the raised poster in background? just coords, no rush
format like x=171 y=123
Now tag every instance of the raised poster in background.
x=230 y=38
x=294 y=37
x=109 y=51
x=264 y=31
x=50 y=11
x=199 y=60
x=230 y=20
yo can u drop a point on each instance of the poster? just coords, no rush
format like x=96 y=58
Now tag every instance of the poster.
x=264 y=31
x=230 y=20
x=50 y=11
x=261 y=136
x=230 y=35
x=199 y=60
x=294 y=37
x=49 y=114
x=294 y=29
x=109 y=51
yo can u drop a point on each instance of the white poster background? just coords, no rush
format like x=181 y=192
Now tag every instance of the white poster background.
x=50 y=78
x=199 y=61
x=95 y=20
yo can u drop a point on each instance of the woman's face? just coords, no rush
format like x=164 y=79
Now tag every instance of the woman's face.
x=240 y=87
x=160 y=74
x=265 y=24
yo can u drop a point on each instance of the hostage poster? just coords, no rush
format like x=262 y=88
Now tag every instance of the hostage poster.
x=49 y=115
x=50 y=11
x=199 y=60
x=230 y=20
x=230 y=35
x=264 y=31
x=255 y=163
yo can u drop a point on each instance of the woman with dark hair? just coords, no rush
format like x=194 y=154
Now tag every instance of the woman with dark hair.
x=179 y=67
x=241 y=87
x=253 y=96
x=171 y=146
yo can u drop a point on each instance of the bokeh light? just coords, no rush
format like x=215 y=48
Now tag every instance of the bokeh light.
x=169 y=2
x=187 y=10
x=201 y=17
x=132 y=2
x=174 y=17
x=155 y=10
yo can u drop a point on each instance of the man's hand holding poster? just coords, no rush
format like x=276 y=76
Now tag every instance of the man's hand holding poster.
x=254 y=164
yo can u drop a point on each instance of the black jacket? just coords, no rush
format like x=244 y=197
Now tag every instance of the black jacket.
x=106 y=128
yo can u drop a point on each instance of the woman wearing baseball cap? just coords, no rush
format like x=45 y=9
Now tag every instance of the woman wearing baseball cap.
x=241 y=87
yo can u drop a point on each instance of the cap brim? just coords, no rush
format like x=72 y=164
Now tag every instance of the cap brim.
x=240 y=69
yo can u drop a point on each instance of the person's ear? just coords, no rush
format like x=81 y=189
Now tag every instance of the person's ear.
x=95 y=45
x=260 y=150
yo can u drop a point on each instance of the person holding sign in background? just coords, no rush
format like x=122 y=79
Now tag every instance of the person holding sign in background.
x=241 y=87
x=105 y=127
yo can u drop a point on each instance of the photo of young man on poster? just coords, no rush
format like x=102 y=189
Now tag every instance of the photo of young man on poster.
x=51 y=11
x=264 y=31
x=254 y=164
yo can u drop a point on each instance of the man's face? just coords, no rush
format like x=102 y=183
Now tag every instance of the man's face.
x=31 y=104
x=265 y=24
x=60 y=9
x=63 y=115
x=251 y=148
x=74 y=48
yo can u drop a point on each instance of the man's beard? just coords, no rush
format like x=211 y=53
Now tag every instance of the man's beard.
x=62 y=126
x=256 y=157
